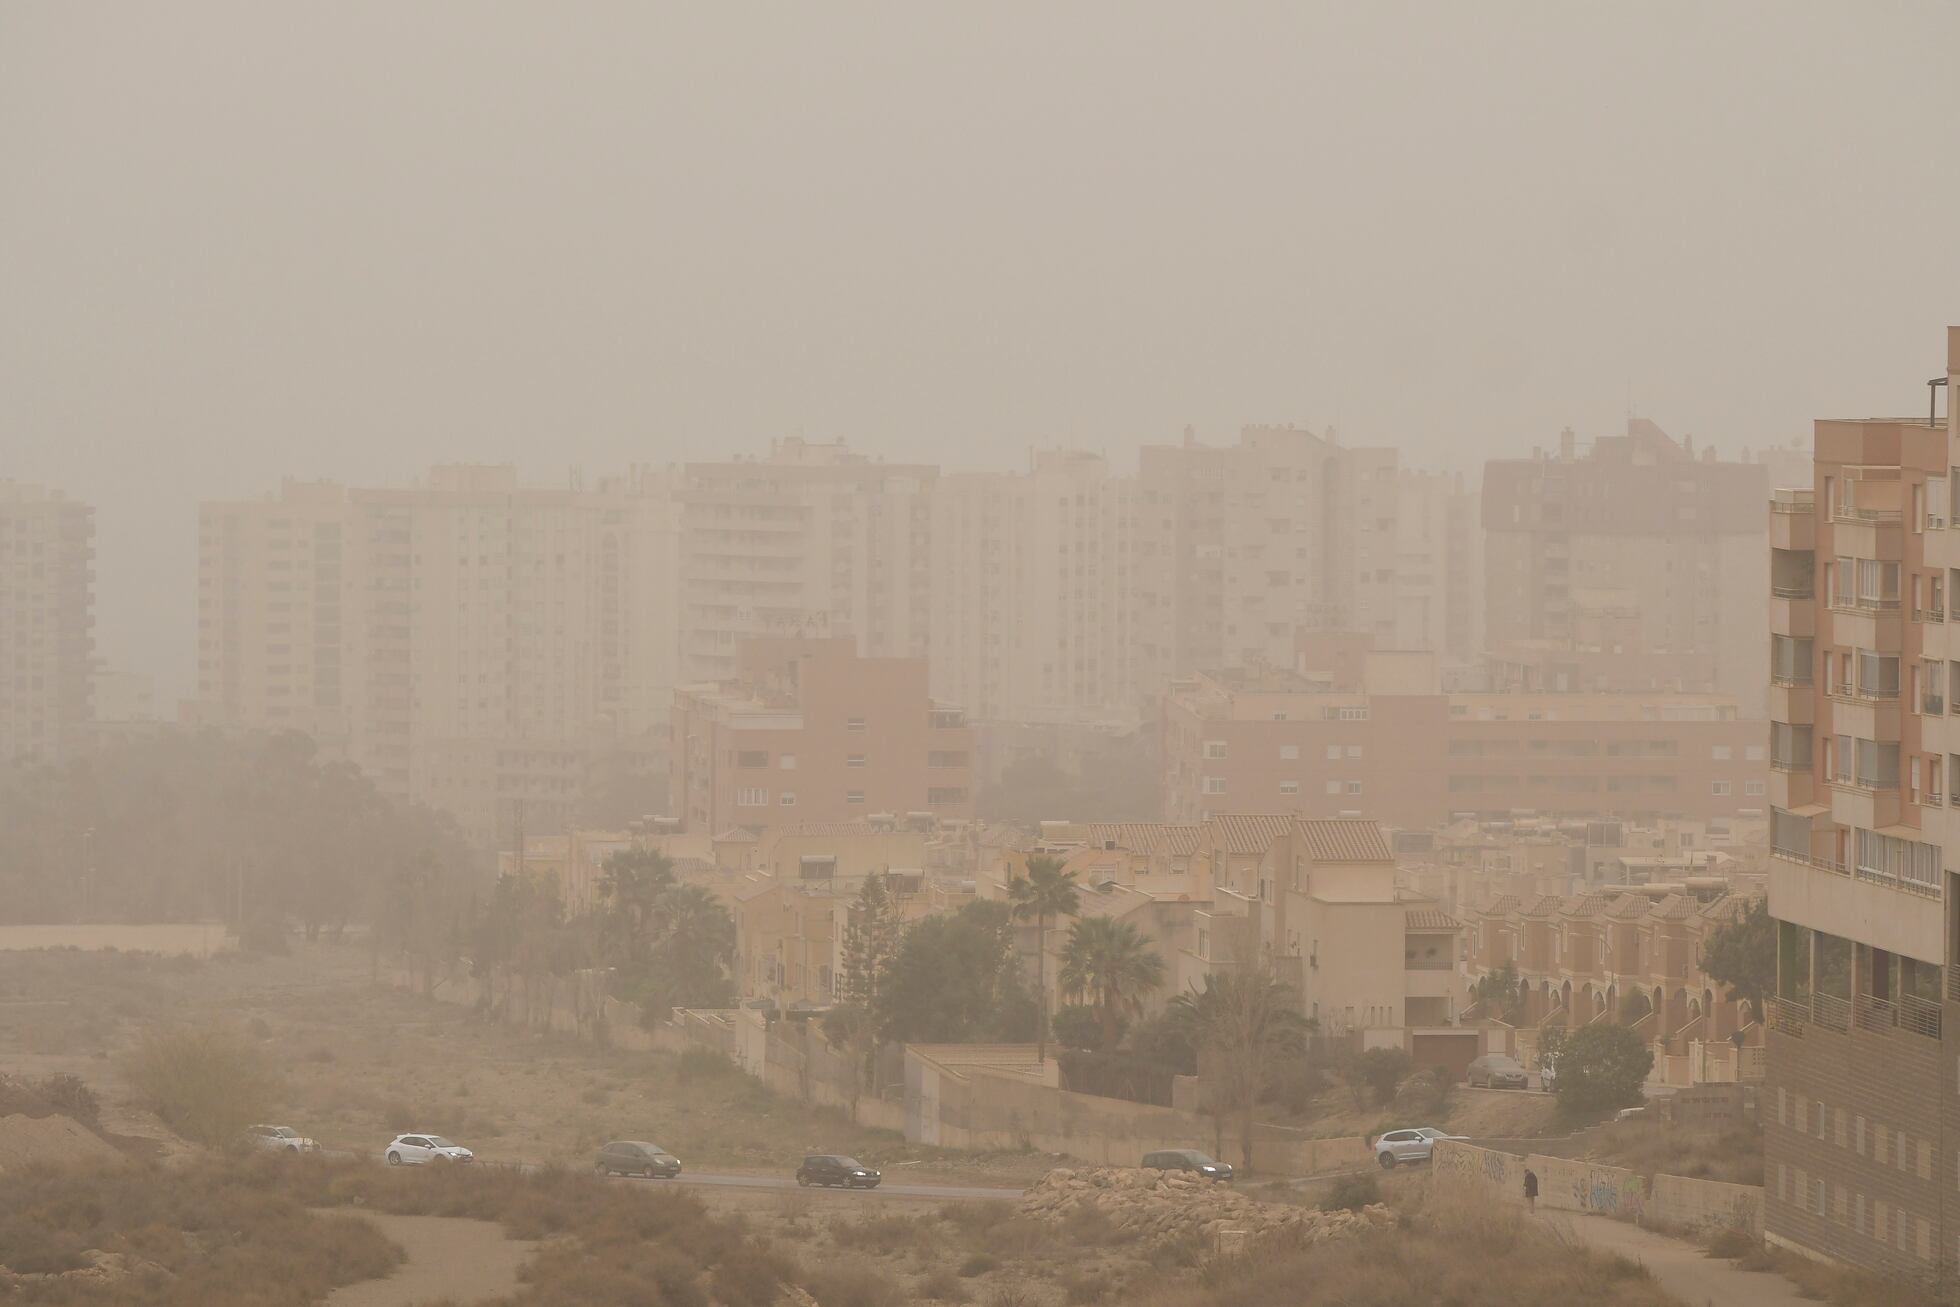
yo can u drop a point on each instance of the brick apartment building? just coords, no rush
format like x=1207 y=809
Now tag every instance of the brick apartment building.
x=808 y=730
x=1862 y=1114
x=1389 y=745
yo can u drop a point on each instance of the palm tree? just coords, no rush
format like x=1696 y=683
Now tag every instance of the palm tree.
x=1247 y=1020
x=1113 y=963
x=1046 y=891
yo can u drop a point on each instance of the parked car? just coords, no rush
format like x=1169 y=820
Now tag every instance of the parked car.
x=1414 y=1145
x=637 y=1157
x=1498 y=1071
x=279 y=1139
x=1188 y=1159
x=414 y=1150
x=847 y=1172
x=1630 y=1113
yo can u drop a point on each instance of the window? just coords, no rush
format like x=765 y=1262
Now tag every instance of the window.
x=1333 y=753
x=1789 y=661
x=752 y=758
x=788 y=799
x=1354 y=787
x=940 y=796
x=1354 y=751
x=1932 y=687
x=787 y=761
x=1214 y=785
x=1721 y=753
x=1289 y=787
x=855 y=760
x=1936 y=502
x=1720 y=789
x=1754 y=789
x=854 y=724
x=751 y=798
x=854 y=796
x=1289 y=753
x=1214 y=749
x=1333 y=787
x=1752 y=752
x=1878 y=675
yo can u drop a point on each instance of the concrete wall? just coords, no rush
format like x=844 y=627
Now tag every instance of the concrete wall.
x=1573 y=1185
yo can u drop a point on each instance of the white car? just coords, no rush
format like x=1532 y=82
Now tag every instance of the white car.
x=414 y=1150
x=279 y=1139
x=1398 y=1146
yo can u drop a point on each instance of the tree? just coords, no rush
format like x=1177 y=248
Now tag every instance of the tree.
x=1246 y=1022
x=1742 y=955
x=1113 y=964
x=1501 y=992
x=953 y=981
x=1602 y=1069
x=1046 y=891
x=1552 y=1043
x=872 y=935
x=207 y=1084
x=1372 y=1076
x=1079 y=1026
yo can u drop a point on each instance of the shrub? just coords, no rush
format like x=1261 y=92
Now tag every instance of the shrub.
x=1602 y=1068
x=704 y=1064
x=853 y=1286
x=264 y=935
x=979 y=1264
x=1076 y=1025
x=941 y=1285
x=1116 y=1074
x=1351 y=1193
x=1427 y=1093
x=1294 y=1084
x=206 y=1083
x=1733 y=1244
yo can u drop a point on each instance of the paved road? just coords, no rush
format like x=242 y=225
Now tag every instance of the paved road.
x=948 y=1193
x=1681 y=1268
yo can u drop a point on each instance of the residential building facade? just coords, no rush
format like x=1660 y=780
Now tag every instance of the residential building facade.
x=1862 y=1118
x=47 y=624
x=810 y=730
x=1395 y=748
x=1637 y=565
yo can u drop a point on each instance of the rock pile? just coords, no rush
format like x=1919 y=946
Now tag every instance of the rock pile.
x=1164 y=1205
x=25 y=1140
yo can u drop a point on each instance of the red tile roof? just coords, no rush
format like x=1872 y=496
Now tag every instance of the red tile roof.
x=1250 y=834
x=1336 y=840
x=1628 y=906
x=1430 y=919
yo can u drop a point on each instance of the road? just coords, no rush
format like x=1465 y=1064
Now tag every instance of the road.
x=944 y=1193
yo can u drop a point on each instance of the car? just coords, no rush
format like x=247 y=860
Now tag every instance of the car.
x=846 y=1172
x=1413 y=1145
x=279 y=1139
x=1188 y=1159
x=1630 y=1113
x=1497 y=1071
x=415 y=1150
x=636 y=1157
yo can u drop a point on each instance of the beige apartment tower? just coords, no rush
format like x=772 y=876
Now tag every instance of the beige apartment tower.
x=47 y=623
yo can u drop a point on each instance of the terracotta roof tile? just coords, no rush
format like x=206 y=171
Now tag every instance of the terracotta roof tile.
x=1586 y=905
x=1334 y=840
x=1627 y=907
x=1501 y=906
x=1250 y=833
x=1430 y=919
x=1542 y=906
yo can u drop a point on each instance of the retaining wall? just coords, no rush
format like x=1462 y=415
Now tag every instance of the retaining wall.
x=1567 y=1184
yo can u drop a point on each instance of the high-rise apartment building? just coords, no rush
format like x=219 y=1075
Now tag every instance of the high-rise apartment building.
x=812 y=541
x=811 y=730
x=1031 y=596
x=1635 y=566
x=1862 y=1106
x=1242 y=547
x=47 y=620
x=489 y=649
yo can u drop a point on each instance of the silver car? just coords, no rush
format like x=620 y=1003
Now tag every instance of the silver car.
x=279 y=1139
x=417 y=1150
x=1416 y=1145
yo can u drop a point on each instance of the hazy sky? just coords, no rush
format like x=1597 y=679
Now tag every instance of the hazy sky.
x=244 y=240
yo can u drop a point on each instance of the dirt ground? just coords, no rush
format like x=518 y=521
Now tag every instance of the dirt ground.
x=363 y=1062
x=449 y=1260
x=1473 y=1113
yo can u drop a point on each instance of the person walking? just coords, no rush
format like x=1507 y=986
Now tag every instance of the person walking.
x=1530 y=1190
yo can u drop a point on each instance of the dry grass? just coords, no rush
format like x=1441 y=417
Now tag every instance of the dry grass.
x=1655 y=1146
x=1839 y=1286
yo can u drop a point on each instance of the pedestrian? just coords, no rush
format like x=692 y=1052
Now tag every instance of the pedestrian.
x=1530 y=1190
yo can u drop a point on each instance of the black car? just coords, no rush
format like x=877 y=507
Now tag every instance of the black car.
x=637 y=1157
x=1188 y=1159
x=848 y=1172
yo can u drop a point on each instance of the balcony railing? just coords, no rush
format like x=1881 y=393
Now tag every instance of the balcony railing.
x=1811 y=860
x=1846 y=513
x=1789 y=1015
x=1872 y=603
x=1789 y=764
x=1805 y=507
x=1875 y=692
x=1806 y=591
x=1918 y=1016
x=1789 y=678
x=1872 y=875
x=1830 y=1012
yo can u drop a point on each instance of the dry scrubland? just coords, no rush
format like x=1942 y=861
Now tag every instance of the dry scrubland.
x=360 y=1063
x=274 y=1233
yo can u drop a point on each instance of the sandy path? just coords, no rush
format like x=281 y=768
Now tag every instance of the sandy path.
x=448 y=1258
x=1680 y=1267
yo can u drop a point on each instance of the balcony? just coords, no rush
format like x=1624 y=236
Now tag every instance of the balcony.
x=1793 y=521
x=1792 y=615
x=1898 y=916
x=1875 y=1016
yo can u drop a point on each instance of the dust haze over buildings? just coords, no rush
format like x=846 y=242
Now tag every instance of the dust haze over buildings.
x=243 y=243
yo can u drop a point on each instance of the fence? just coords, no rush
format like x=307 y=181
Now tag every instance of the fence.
x=1573 y=1185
